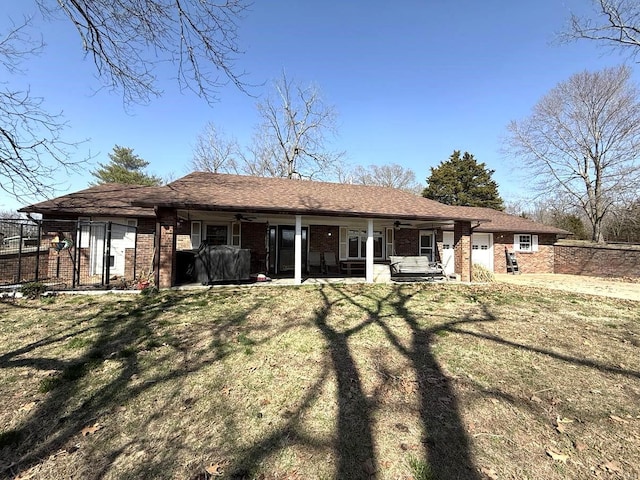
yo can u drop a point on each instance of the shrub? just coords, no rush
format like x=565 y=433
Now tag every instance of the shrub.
x=33 y=290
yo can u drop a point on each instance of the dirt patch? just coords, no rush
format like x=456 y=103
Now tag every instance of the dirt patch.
x=627 y=289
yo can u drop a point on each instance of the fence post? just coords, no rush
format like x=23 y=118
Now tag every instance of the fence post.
x=19 y=276
x=38 y=250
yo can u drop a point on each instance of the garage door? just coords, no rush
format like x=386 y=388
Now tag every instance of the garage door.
x=482 y=250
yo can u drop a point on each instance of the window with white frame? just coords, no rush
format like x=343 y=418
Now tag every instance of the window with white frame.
x=357 y=244
x=196 y=234
x=525 y=242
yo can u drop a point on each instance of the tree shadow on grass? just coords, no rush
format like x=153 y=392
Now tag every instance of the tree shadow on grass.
x=446 y=447
x=123 y=331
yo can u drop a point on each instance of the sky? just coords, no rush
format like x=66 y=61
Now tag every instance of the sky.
x=411 y=82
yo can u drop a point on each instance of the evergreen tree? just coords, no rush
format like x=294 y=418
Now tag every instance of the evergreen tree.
x=125 y=167
x=463 y=181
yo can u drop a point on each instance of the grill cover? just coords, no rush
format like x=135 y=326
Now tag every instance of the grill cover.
x=221 y=263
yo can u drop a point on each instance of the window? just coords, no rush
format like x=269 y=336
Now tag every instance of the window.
x=427 y=244
x=525 y=242
x=196 y=234
x=216 y=235
x=357 y=244
x=235 y=234
x=84 y=232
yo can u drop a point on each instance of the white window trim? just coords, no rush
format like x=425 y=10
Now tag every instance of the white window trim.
x=84 y=233
x=196 y=237
x=533 y=242
x=344 y=243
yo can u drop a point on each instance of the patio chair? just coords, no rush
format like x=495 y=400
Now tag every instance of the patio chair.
x=315 y=262
x=330 y=262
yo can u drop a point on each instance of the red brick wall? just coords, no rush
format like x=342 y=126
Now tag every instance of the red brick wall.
x=541 y=261
x=407 y=241
x=26 y=263
x=324 y=238
x=166 y=275
x=462 y=250
x=598 y=260
x=253 y=236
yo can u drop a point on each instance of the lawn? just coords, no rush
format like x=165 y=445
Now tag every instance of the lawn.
x=430 y=381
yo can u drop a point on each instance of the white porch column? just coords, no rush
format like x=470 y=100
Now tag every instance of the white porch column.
x=297 y=276
x=369 y=259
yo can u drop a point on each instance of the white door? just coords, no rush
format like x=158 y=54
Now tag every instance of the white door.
x=482 y=250
x=448 y=258
x=122 y=237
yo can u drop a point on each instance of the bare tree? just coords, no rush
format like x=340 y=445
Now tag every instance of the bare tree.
x=214 y=152
x=617 y=24
x=291 y=139
x=31 y=145
x=127 y=39
x=583 y=138
x=391 y=175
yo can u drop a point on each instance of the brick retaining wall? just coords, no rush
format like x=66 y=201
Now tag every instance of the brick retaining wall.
x=598 y=260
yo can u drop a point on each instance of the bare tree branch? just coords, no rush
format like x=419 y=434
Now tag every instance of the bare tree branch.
x=128 y=39
x=583 y=138
x=214 y=152
x=32 y=151
x=292 y=137
x=391 y=175
x=616 y=24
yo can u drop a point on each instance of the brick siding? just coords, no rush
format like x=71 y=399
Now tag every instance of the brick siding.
x=541 y=261
x=462 y=250
x=407 y=241
x=598 y=260
x=253 y=237
x=16 y=268
x=324 y=238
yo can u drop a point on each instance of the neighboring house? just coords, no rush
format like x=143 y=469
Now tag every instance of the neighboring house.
x=280 y=221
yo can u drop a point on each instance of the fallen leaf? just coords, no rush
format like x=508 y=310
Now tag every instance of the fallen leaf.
x=216 y=469
x=557 y=456
x=402 y=427
x=90 y=430
x=489 y=472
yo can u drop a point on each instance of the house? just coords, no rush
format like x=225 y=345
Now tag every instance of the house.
x=135 y=229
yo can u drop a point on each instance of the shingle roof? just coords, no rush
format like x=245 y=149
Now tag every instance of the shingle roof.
x=238 y=193
x=212 y=191
x=504 y=222
x=111 y=199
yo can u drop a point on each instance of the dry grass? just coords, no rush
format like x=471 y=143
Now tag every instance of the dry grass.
x=388 y=381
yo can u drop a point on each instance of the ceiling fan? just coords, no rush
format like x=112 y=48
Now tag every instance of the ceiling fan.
x=397 y=224
x=243 y=218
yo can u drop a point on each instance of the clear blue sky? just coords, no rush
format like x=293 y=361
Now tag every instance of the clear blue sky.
x=411 y=81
